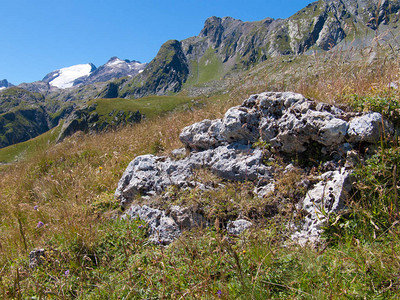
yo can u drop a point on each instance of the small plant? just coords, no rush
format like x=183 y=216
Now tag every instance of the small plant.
x=386 y=103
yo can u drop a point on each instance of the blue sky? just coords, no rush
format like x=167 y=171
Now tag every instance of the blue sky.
x=40 y=36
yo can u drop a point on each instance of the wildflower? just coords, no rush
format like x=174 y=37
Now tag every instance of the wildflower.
x=100 y=168
x=39 y=224
x=219 y=293
x=66 y=273
x=35 y=207
x=140 y=226
x=244 y=251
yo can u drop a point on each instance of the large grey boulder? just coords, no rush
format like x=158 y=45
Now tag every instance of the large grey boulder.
x=150 y=175
x=164 y=227
x=289 y=122
x=202 y=135
x=369 y=128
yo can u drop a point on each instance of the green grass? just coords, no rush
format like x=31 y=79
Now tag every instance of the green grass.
x=209 y=68
x=26 y=149
x=151 y=106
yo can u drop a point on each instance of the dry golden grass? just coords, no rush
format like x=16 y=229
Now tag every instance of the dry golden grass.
x=64 y=181
x=328 y=76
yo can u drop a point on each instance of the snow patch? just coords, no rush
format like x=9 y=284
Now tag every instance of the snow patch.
x=115 y=62
x=2 y=88
x=67 y=76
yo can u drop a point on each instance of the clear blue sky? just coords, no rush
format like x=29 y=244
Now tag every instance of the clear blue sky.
x=40 y=36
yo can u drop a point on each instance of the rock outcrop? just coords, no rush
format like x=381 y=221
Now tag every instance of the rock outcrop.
x=86 y=119
x=164 y=227
x=286 y=122
x=166 y=73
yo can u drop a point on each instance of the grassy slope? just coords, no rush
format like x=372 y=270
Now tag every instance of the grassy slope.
x=209 y=68
x=26 y=149
x=150 y=106
x=91 y=256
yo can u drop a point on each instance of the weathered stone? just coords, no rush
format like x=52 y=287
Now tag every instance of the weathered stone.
x=202 y=135
x=186 y=219
x=178 y=153
x=148 y=174
x=238 y=226
x=368 y=128
x=238 y=162
x=240 y=125
x=36 y=258
x=265 y=190
x=165 y=228
x=285 y=122
x=327 y=197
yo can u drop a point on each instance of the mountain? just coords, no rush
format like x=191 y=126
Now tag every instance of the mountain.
x=22 y=116
x=65 y=77
x=85 y=74
x=164 y=74
x=5 y=84
x=226 y=45
x=115 y=68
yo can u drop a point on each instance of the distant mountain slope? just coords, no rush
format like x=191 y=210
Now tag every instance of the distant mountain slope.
x=164 y=74
x=115 y=68
x=225 y=44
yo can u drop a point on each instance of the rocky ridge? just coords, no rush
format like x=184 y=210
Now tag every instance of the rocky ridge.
x=86 y=119
x=230 y=45
x=289 y=125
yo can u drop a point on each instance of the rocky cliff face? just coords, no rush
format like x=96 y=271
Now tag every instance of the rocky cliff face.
x=22 y=116
x=22 y=124
x=86 y=119
x=231 y=44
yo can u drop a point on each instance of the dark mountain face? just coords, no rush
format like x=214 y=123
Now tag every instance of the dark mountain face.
x=5 y=84
x=165 y=73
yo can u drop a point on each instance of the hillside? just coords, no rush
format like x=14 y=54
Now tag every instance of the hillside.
x=275 y=180
x=224 y=48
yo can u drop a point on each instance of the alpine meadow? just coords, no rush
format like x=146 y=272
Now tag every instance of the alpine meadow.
x=256 y=160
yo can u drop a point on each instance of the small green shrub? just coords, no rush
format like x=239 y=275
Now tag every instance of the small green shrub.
x=388 y=104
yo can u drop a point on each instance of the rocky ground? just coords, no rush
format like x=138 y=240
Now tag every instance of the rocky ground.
x=242 y=146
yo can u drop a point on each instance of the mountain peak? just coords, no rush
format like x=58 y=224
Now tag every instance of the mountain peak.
x=4 y=84
x=65 y=77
